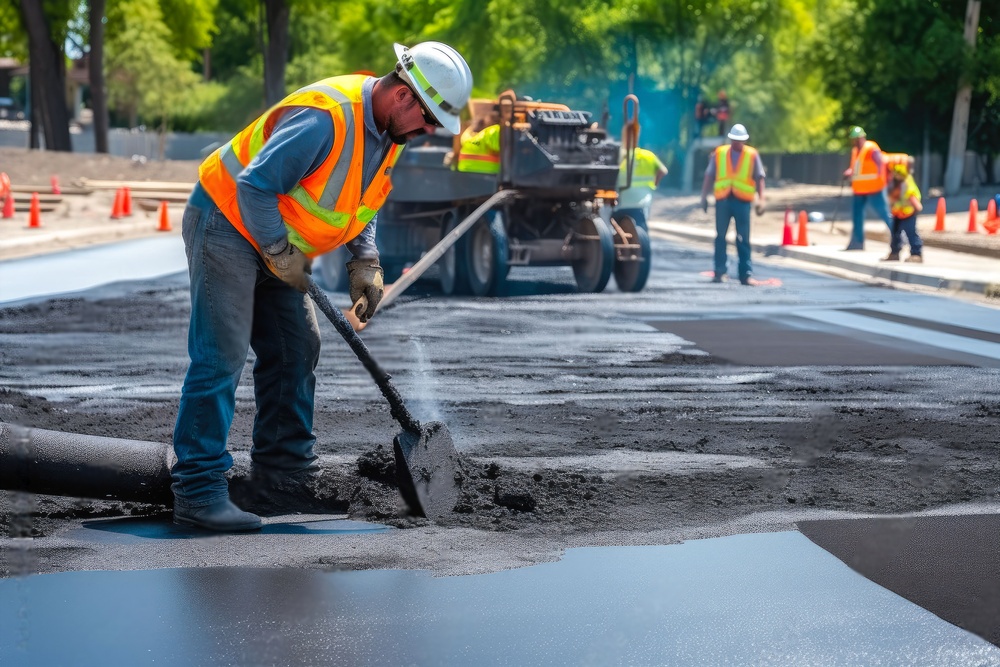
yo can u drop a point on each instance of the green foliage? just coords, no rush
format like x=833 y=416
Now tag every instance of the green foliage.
x=191 y=24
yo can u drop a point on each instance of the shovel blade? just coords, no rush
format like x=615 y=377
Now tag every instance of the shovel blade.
x=426 y=470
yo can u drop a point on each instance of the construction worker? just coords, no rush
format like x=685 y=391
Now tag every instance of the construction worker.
x=480 y=153
x=904 y=203
x=721 y=112
x=647 y=172
x=737 y=174
x=306 y=177
x=867 y=174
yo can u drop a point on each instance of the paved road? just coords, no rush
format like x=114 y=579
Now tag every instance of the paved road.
x=714 y=410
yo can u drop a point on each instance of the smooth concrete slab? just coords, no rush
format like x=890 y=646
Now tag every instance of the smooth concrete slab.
x=949 y=565
x=800 y=341
x=765 y=599
x=76 y=270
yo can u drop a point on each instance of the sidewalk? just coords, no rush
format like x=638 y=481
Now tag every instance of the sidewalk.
x=954 y=260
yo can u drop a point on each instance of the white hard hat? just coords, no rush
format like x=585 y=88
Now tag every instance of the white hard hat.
x=738 y=133
x=440 y=76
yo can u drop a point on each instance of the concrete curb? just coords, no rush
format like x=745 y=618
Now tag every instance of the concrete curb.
x=898 y=275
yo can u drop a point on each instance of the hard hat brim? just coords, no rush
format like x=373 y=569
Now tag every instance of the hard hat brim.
x=738 y=136
x=448 y=121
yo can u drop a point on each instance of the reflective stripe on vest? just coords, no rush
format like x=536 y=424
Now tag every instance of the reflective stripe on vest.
x=899 y=197
x=740 y=182
x=643 y=170
x=867 y=177
x=480 y=154
x=327 y=208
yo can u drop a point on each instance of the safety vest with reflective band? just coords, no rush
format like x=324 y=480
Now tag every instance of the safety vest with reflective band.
x=868 y=178
x=327 y=208
x=739 y=181
x=643 y=170
x=480 y=153
x=899 y=197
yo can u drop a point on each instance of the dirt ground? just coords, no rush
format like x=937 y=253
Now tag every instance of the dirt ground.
x=27 y=167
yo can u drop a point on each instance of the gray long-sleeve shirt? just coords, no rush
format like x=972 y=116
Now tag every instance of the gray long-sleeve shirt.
x=298 y=145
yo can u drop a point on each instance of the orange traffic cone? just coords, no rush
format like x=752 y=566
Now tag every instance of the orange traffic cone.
x=35 y=212
x=164 y=218
x=973 y=214
x=55 y=185
x=8 y=206
x=803 y=229
x=116 y=209
x=126 y=201
x=992 y=223
x=941 y=210
x=786 y=236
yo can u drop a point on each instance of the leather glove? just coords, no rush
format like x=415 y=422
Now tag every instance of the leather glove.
x=704 y=204
x=288 y=263
x=364 y=278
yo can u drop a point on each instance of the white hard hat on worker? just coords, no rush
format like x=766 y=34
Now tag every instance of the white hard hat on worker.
x=738 y=133
x=440 y=77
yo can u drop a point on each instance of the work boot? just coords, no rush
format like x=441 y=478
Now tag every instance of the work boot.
x=748 y=281
x=719 y=278
x=891 y=257
x=221 y=516
x=271 y=492
x=916 y=259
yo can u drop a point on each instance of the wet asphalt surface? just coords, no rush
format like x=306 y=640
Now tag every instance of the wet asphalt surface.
x=690 y=410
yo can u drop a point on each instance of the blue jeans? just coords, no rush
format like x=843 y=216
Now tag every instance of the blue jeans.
x=878 y=203
x=726 y=209
x=236 y=304
x=909 y=226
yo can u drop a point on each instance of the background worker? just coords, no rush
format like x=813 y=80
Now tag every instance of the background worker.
x=904 y=202
x=647 y=172
x=867 y=174
x=737 y=174
x=722 y=112
x=306 y=177
x=480 y=152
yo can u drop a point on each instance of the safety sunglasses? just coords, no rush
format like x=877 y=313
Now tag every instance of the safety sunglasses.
x=428 y=116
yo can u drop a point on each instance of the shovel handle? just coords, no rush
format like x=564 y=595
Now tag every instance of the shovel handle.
x=382 y=379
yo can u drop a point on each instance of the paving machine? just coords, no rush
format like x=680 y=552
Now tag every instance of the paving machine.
x=560 y=172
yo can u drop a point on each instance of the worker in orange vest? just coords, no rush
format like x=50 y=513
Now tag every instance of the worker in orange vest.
x=868 y=180
x=738 y=175
x=306 y=177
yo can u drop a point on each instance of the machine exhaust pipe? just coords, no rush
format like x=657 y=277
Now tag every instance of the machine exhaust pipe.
x=36 y=460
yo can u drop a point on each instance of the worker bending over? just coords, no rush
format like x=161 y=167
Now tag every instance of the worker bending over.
x=480 y=152
x=306 y=177
x=904 y=201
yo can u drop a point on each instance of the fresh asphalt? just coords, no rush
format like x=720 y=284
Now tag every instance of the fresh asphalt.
x=869 y=591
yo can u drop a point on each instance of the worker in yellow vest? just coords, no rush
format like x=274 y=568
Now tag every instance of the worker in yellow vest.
x=306 y=177
x=480 y=153
x=736 y=175
x=867 y=174
x=904 y=204
x=647 y=172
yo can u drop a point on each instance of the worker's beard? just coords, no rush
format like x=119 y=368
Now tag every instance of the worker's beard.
x=395 y=132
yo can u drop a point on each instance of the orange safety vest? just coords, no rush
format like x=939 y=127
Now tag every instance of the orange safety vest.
x=867 y=177
x=739 y=181
x=327 y=208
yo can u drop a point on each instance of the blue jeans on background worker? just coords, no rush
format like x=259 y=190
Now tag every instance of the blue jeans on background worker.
x=909 y=227
x=236 y=304
x=726 y=209
x=878 y=203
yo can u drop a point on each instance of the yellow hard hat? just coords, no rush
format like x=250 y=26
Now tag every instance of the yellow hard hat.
x=900 y=170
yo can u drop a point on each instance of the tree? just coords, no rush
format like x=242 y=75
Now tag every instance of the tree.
x=98 y=92
x=45 y=23
x=275 y=49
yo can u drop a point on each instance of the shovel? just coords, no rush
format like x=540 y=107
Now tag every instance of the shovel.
x=426 y=460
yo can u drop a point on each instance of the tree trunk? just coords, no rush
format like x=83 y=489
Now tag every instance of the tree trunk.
x=98 y=92
x=960 y=117
x=49 y=81
x=35 y=115
x=275 y=50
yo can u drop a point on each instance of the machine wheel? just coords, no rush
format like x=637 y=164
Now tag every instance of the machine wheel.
x=596 y=257
x=454 y=274
x=332 y=270
x=631 y=275
x=486 y=259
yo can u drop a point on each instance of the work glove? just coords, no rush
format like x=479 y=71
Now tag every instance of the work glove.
x=760 y=208
x=704 y=204
x=288 y=263
x=364 y=278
